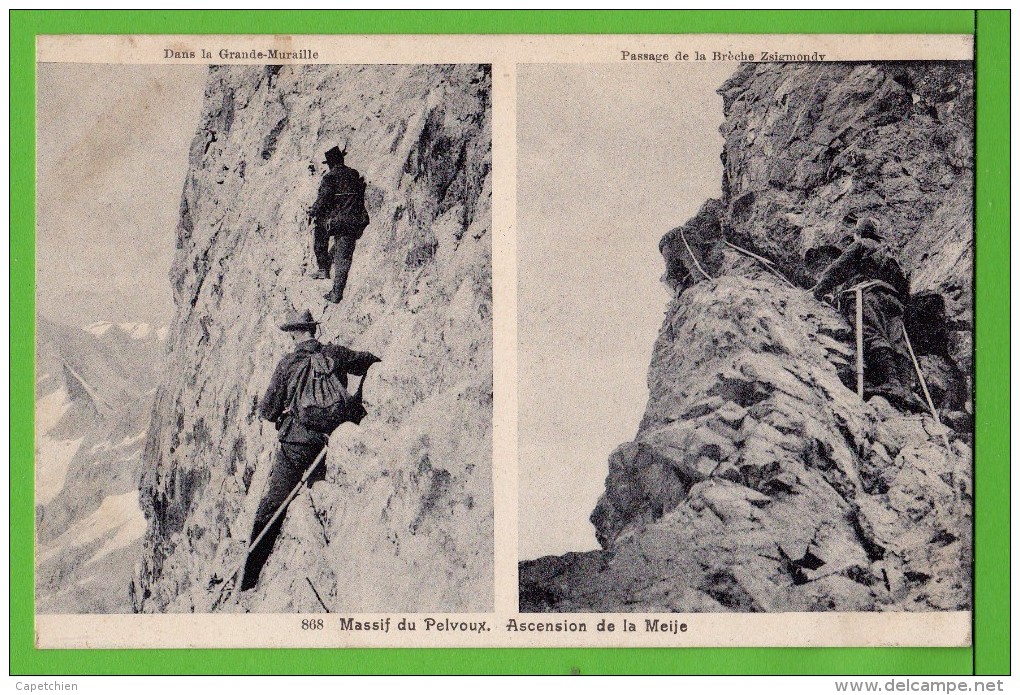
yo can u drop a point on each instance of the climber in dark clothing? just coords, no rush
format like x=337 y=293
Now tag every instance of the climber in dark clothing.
x=888 y=370
x=339 y=213
x=299 y=446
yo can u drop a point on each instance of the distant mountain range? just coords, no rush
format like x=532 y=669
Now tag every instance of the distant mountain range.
x=137 y=330
x=94 y=391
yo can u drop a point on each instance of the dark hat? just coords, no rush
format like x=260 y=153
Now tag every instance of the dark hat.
x=867 y=227
x=334 y=155
x=299 y=321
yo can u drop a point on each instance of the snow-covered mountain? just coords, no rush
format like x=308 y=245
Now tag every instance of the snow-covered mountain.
x=94 y=391
x=139 y=330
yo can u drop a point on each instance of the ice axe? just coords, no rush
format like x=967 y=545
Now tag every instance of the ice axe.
x=858 y=291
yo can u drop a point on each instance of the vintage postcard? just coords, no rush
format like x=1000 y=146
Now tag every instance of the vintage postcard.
x=464 y=341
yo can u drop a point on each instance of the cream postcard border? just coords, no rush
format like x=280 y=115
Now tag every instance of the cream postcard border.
x=504 y=53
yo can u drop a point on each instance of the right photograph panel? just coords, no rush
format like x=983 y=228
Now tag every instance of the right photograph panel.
x=745 y=337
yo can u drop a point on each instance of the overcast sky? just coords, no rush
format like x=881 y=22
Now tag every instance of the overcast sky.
x=112 y=152
x=610 y=157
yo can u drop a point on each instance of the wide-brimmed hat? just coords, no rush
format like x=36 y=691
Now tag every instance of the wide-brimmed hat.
x=299 y=321
x=334 y=155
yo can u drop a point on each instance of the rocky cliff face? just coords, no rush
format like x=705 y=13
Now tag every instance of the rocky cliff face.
x=807 y=145
x=403 y=521
x=758 y=481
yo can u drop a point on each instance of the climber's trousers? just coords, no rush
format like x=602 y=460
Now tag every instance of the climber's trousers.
x=883 y=320
x=320 y=245
x=292 y=460
x=343 y=256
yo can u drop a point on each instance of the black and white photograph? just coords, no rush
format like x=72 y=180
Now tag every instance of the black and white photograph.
x=463 y=341
x=264 y=338
x=745 y=320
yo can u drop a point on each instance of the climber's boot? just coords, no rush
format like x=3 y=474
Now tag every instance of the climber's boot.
x=333 y=296
x=321 y=275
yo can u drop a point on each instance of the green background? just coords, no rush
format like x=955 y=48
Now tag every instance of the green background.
x=991 y=611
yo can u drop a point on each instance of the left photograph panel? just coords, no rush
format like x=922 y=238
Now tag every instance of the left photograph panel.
x=263 y=339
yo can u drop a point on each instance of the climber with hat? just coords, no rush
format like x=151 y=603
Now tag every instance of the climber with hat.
x=339 y=213
x=300 y=444
x=867 y=266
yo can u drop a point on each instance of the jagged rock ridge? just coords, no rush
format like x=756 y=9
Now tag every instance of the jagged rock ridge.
x=403 y=521
x=758 y=481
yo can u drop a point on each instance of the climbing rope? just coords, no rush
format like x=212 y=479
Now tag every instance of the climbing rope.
x=316 y=592
x=769 y=265
x=265 y=529
x=924 y=388
x=693 y=257
x=935 y=415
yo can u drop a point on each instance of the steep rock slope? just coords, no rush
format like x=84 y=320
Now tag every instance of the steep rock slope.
x=404 y=519
x=94 y=392
x=758 y=481
x=808 y=144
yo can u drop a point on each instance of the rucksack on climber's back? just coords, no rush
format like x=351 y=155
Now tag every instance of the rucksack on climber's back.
x=888 y=270
x=348 y=214
x=321 y=402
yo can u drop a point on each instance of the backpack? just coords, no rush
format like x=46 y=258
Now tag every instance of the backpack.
x=927 y=324
x=888 y=270
x=350 y=216
x=321 y=402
